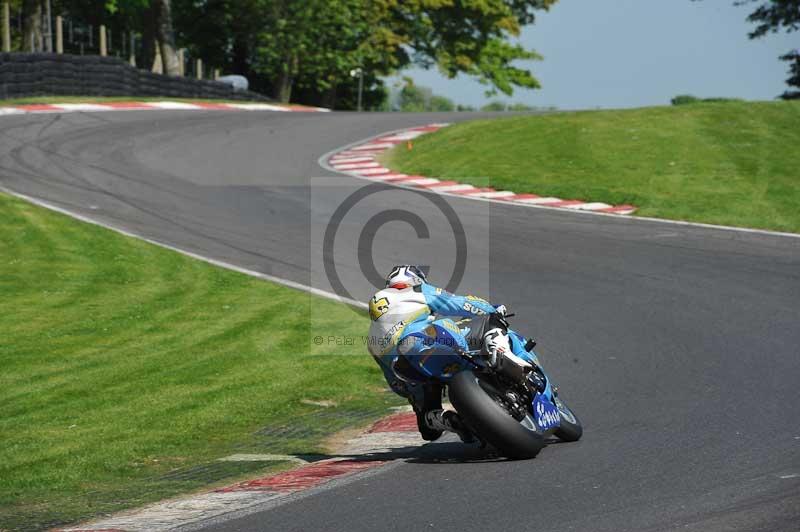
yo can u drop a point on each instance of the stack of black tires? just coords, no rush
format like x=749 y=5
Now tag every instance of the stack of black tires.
x=27 y=75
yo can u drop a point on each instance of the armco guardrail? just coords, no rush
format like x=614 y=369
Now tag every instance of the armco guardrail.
x=24 y=75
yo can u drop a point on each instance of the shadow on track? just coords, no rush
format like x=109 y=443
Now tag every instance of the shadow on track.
x=449 y=451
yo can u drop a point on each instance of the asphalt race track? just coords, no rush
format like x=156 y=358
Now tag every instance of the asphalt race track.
x=678 y=346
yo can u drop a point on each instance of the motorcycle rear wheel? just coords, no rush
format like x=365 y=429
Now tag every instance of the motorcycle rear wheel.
x=493 y=423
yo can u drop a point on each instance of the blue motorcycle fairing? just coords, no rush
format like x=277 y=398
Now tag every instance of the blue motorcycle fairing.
x=518 y=347
x=441 y=341
x=545 y=411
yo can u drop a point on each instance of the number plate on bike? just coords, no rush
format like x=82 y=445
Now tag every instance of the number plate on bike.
x=545 y=413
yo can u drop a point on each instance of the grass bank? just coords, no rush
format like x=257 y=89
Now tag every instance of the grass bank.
x=129 y=370
x=733 y=163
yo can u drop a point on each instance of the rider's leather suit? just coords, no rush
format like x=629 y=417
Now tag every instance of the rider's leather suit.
x=397 y=313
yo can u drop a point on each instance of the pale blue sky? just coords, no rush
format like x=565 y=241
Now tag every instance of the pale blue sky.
x=631 y=53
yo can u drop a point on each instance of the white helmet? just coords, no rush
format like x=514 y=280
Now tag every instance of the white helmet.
x=405 y=276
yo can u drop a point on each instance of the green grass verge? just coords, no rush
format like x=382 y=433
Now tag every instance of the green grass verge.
x=734 y=163
x=128 y=370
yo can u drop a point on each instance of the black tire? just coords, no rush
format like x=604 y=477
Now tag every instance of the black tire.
x=570 y=429
x=491 y=421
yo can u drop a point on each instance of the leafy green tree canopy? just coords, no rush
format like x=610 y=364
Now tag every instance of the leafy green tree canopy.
x=315 y=44
x=773 y=16
x=311 y=47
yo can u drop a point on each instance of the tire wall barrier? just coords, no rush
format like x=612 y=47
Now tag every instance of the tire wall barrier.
x=26 y=75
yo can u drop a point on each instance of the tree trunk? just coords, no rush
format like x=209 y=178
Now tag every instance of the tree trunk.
x=329 y=96
x=241 y=57
x=32 y=26
x=149 y=38
x=48 y=26
x=166 y=37
x=282 y=88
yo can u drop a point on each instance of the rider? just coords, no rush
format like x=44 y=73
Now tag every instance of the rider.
x=409 y=299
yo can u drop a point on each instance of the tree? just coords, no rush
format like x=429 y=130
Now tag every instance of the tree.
x=497 y=105
x=162 y=11
x=461 y=36
x=310 y=46
x=413 y=98
x=153 y=18
x=793 y=58
x=343 y=41
x=523 y=107
x=313 y=45
x=416 y=98
x=494 y=106
x=284 y=39
x=223 y=32
x=773 y=16
x=32 y=37
x=441 y=104
x=278 y=44
x=288 y=47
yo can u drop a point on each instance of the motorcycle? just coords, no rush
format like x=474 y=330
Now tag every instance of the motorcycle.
x=511 y=404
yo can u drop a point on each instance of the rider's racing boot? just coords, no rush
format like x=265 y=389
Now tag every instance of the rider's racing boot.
x=449 y=421
x=427 y=432
x=432 y=401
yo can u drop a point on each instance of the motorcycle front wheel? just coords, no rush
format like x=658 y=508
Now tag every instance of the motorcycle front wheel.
x=481 y=406
x=571 y=428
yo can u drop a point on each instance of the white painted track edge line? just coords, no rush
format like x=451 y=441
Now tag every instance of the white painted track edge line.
x=215 y=262
x=322 y=161
x=162 y=105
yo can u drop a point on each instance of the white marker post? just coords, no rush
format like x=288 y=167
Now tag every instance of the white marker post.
x=182 y=62
x=132 y=51
x=59 y=35
x=103 y=46
x=6 y=27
